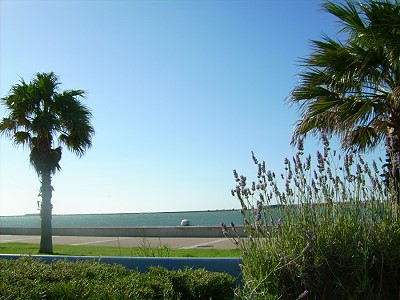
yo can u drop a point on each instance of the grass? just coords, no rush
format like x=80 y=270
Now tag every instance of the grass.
x=163 y=251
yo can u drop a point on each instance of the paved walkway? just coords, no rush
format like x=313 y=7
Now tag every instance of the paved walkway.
x=172 y=243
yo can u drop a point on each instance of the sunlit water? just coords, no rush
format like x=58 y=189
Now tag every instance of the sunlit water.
x=202 y=218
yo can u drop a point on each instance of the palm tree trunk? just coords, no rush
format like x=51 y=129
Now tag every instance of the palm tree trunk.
x=46 y=239
x=393 y=164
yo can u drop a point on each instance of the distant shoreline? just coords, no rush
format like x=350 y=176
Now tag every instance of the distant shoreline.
x=130 y=213
x=156 y=212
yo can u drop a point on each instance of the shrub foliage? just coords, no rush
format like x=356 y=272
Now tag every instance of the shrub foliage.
x=319 y=231
x=28 y=278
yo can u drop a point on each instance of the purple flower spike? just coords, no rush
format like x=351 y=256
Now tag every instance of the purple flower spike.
x=259 y=218
x=307 y=247
x=304 y=295
x=224 y=229
x=279 y=223
x=310 y=235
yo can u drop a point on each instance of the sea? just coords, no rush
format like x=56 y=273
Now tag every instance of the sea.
x=196 y=218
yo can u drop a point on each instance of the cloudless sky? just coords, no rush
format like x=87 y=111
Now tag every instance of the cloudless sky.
x=181 y=92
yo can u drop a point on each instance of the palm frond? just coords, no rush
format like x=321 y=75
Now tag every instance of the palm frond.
x=362 y=138
x=8 y=126
x=21 y=137
x=74 y=122
x=45 y=86
x=348 y=15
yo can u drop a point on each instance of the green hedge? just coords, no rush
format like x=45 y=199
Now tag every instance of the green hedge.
x=27 y=278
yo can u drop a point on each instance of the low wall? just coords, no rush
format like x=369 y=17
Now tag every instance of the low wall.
x=163 y=231
x=228 y=265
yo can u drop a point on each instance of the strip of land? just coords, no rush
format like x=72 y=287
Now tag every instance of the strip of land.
x=172 y=243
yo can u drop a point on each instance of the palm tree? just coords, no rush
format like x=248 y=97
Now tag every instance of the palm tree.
x=39 y=114
x=351 y=88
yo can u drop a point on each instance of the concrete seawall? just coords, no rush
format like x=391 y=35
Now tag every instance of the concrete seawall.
x=164 y=231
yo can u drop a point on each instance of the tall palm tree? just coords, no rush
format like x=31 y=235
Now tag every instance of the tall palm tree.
x=351 y=87
x=38 y=115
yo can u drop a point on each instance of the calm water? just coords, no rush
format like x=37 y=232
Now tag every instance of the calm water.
x=202 y=218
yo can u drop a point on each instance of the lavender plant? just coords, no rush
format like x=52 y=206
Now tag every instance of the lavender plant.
x=320 y=230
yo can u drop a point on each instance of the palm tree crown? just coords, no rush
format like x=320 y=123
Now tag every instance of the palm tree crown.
x=351 y=88
x=39 y=113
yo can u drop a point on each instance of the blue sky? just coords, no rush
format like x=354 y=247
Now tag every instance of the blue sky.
x=181 y=93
